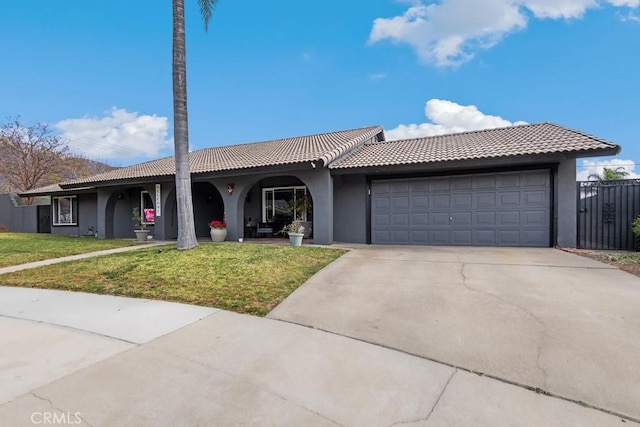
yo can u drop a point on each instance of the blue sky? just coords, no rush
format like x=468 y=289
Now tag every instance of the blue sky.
x=100 y=72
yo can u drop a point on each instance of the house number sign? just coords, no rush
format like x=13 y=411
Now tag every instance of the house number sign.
x=158 y=200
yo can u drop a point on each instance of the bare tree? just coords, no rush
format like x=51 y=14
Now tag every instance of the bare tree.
x=186 y=225
x=30 y=157
x=33 y=157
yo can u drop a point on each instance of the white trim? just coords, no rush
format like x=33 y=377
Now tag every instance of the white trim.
x=264 y=198
x=142 y=193
x=72 y=214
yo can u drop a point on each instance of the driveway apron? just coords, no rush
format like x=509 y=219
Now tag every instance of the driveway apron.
x=540 y=318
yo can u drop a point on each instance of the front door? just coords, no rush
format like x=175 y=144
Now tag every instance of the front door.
x=44 y=219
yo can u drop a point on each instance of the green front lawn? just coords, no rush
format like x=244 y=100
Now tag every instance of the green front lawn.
x=21 y=248
x=245 y=278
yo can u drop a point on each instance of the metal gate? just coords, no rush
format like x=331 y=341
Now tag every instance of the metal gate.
x=605 y=212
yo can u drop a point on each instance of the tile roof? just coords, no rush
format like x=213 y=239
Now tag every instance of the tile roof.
x=522 y=140
x=51 y=189
x=325 y=147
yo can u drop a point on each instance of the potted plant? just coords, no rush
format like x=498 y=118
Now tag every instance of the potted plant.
x=142 y=234
x=301 y=207
x=218 y=230
x=295 y=230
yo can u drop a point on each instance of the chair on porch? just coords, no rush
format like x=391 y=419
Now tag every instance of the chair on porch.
x=264 y=230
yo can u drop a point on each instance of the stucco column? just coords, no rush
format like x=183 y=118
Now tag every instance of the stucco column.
x=567 y=204
x=103 y=199
x=321 y=187
x=232 y=207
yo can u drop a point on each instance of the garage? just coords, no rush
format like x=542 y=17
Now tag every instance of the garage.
x=485 y=209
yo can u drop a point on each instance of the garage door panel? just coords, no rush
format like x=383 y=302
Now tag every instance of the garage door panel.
x=420 y=202
x=534 y=237
x=400 y=220
x=508 y=238
x=534 y=218
x=462 y=219
x=442 y=201
x=508 y=180
x=485 y=238
x=439 y=237
x=498 y=209
x=400 y=203
x=439 y=184
x=462 y=183
x=381 y=236
x=419 y=186
x=381 y=204
x=535 y=198
x=400 y=237
x=508 y=199
x=439 y=219
x=398 y=187
x=420 y=237
x=420 y=220
x=462 y=201
x=509 y=218
x=381 y=188
x=483 y=182
x=462 y=237
x=484 y=201
x=485 y=219
x=381 y=220
x=535 y=179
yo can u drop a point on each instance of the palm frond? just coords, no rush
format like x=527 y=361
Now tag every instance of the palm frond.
x=206 y=10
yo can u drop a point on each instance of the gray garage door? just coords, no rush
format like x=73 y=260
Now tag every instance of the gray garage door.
x=498 y=209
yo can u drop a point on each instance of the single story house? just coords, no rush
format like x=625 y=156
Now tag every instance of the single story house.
x=513 y=186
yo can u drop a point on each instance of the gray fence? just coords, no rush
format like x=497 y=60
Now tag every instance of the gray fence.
x=17 y=217
x=606 y=210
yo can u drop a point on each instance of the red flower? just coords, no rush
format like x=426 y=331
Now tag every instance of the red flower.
x=217 y=224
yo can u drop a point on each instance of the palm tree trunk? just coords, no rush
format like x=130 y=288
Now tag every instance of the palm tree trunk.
x=186 y=225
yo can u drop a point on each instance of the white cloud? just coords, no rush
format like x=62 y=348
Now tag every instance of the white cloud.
x=448 y=117
x=377 y=76
x=450 y=32
x=118 y=135
x=592 y=167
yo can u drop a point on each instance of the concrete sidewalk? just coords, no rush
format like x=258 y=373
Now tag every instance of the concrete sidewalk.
x=102 y=360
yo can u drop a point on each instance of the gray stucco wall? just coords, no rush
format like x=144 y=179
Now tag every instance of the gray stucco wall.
x=318 y=181
x=87 y=217
x=350 y=208
x=23 y=219
x=566 y=204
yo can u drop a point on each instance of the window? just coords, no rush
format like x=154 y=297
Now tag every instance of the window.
x=279 y=204
x=65 y=210
x=146 y=208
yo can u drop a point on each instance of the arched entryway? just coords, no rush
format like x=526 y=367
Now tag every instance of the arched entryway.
x=207 y=206
x=273 y=202
x=119 y=223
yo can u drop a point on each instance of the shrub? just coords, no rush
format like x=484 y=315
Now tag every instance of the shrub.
x=3 y=229
x=635 y=226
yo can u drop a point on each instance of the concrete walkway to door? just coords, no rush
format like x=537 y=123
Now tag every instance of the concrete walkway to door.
x=539 y=318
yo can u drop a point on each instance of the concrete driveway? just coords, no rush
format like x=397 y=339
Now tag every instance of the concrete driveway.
x=538 y=318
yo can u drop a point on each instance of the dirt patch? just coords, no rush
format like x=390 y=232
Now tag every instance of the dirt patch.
x=626 y=261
